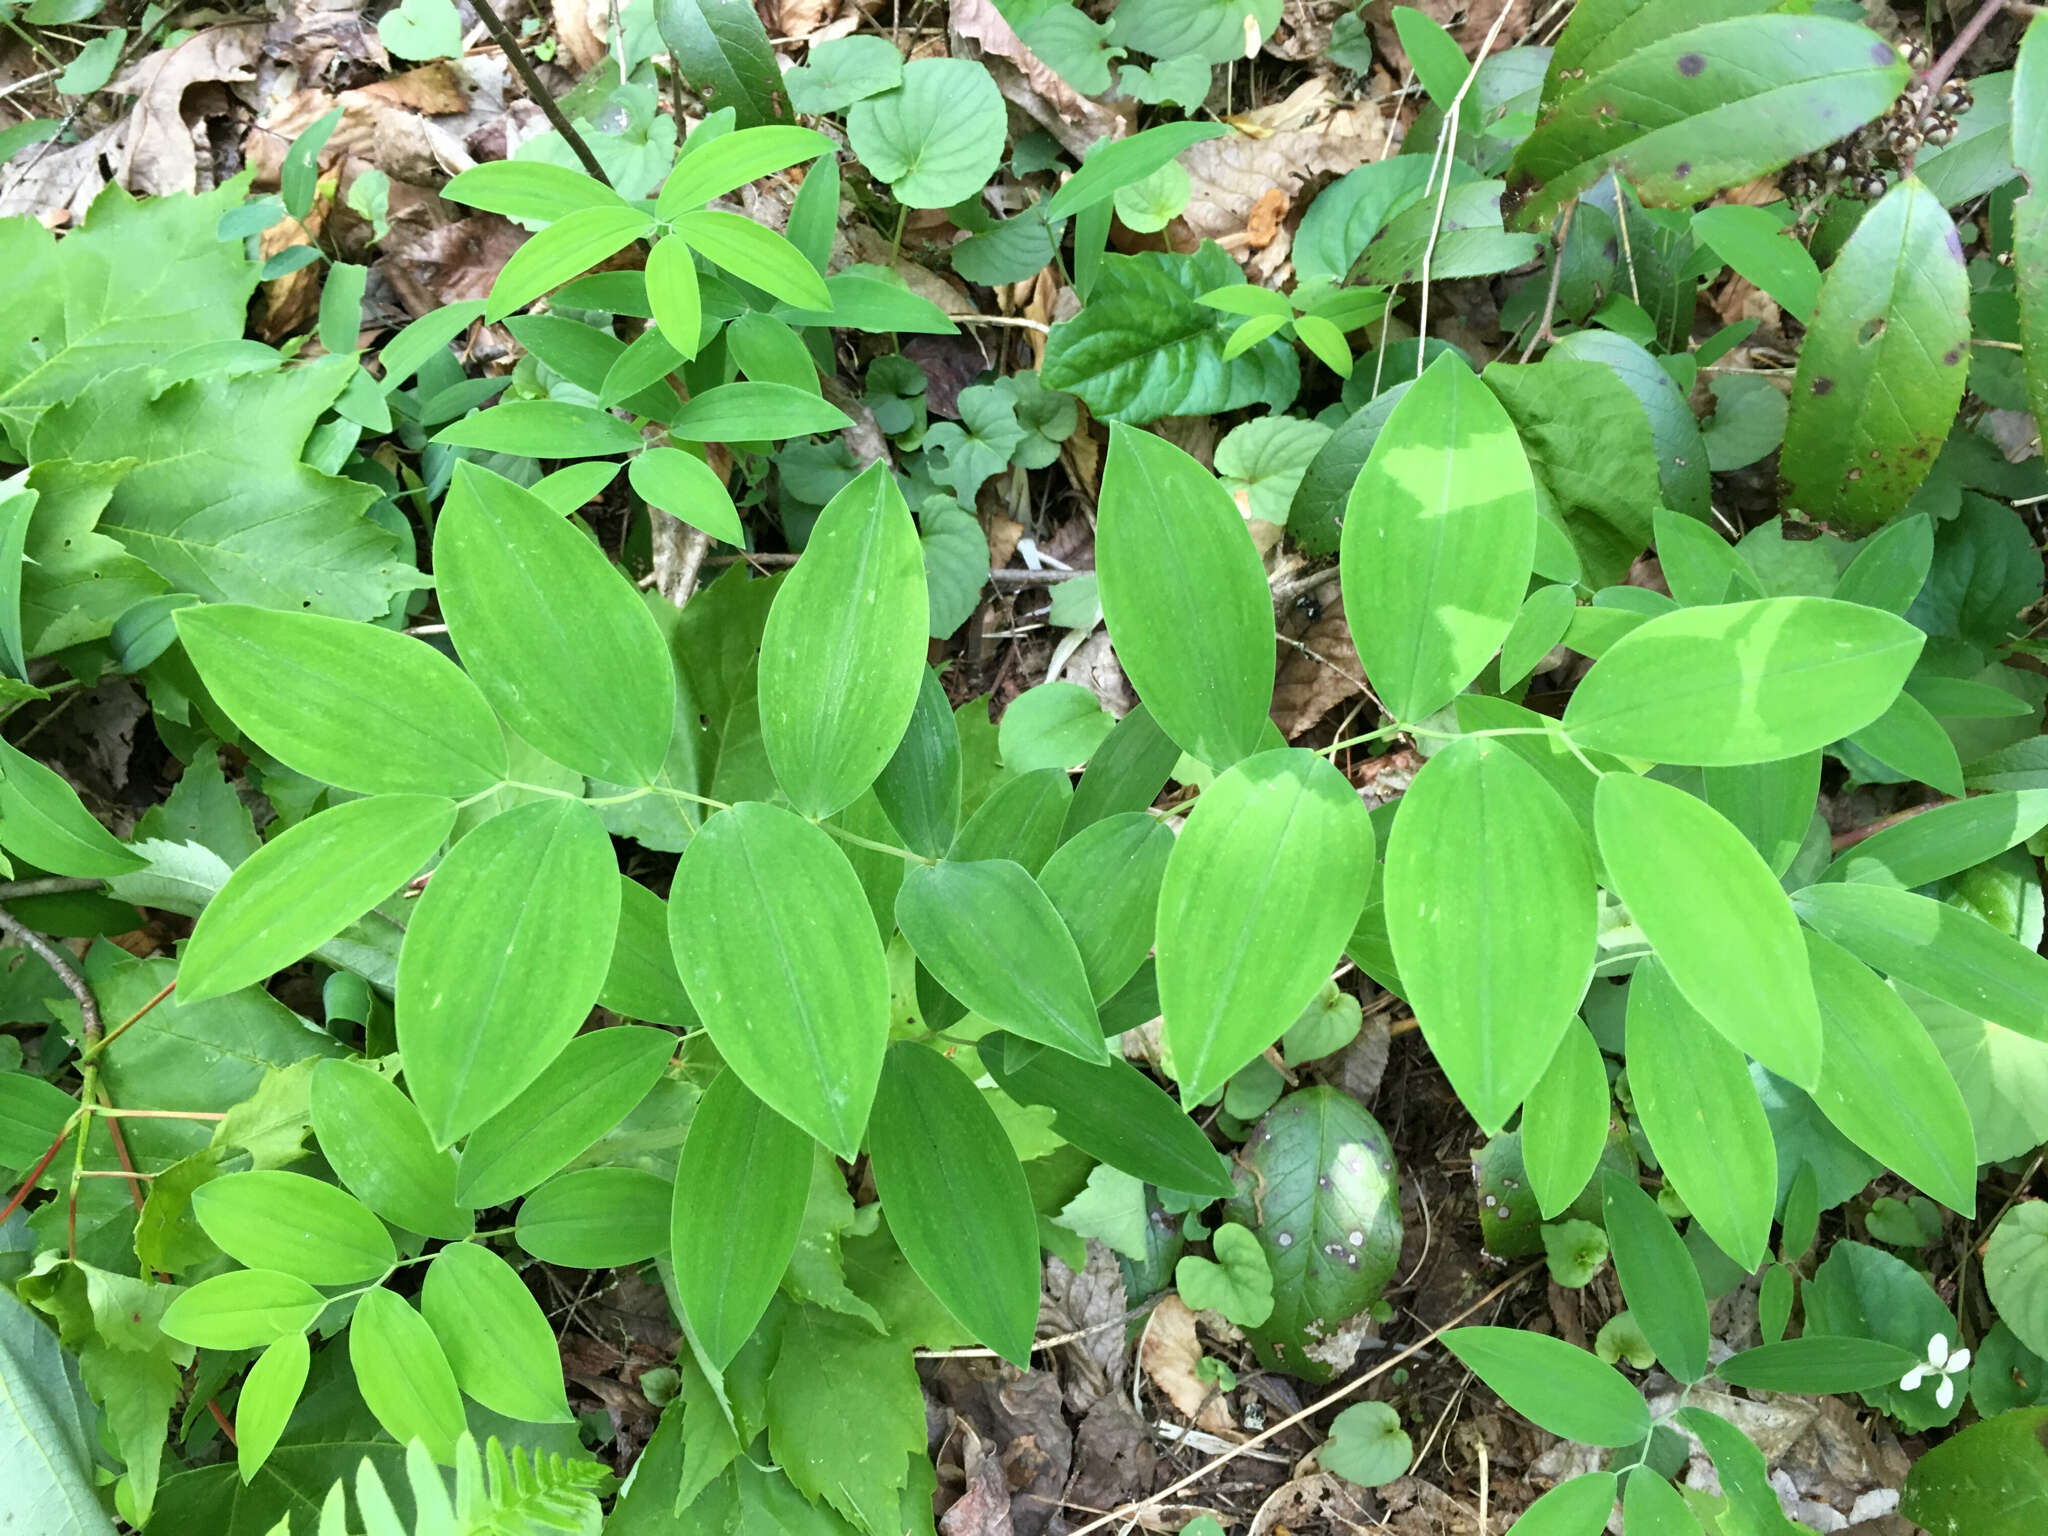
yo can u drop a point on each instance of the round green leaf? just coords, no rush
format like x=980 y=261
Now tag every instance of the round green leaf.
x=1564 y=1390
x=1237 y=1282
x=1263 y=888
x=403 y=1375
x=271 y=1219
x=596 y=1218
x=1743 y=682
x=1055 y=725
x=243 y=1309
x=1367 y=1445
x=685 y=487
x=842 y=657
x=1700 y=893
x=349 y=704
x=374 y=1139
x=1493 y=917
x=956 y=1198
x=775 y=942
x=2016 y=1272
x=503 y=958
x=539 y=615
x=1438 y=542
x=304 y=886
x=1185 y=597
x=937 y=138
x=497 y=1340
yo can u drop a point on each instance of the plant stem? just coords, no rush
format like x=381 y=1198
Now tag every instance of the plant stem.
x=93 y=1050
x=37 y=1172
x=56 y=960
x=536 y=92
x=48 y=885
x=867 y=842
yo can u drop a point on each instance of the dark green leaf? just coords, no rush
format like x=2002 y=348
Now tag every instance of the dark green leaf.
x=1992 y=1479
x=1126 y=773
x=2030 y=213
x=919 y=788
x=596 y=1218
x=1021 y=821
x=1104 y=883
x=1817 y=1364
x=1659 y=1280
x=1564 y=1390
x=721 y=49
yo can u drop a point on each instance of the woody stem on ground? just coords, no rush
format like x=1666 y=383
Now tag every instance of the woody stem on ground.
x=536 y=92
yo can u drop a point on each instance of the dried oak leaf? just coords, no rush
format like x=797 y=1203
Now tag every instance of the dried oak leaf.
x=1168 y=1354
x=1028 y=82
x=160 y=153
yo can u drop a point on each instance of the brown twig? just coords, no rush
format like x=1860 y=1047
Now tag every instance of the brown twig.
x=48 y=885
x=1855 y=835
x=535 y=91
x=1937 y=77
x=1564 y=228
x=54 y=958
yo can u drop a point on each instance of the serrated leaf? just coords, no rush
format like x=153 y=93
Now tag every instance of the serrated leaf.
x=1882 y=369
x=845 y=1420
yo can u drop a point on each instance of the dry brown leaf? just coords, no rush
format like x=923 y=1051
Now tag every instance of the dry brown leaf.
x=1264 y=222
x=1280 y=149
x=795 y=20
x=431 y=264
x=580 y=27
x=984 y=1509
x=1305 y=27
x=290 y=302
x=1309 y=688
x=331 y=42
x=1028 y=82
x=1081 y=455
x=1093 y=1299
x=1318 y=1501
x=161 y=152
x=1740 y=299
x=1003 y=534
x=871 y=247
x=1168 y=1354
x=434 y=89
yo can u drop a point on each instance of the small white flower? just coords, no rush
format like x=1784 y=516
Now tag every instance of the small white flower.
x=1940 y=1364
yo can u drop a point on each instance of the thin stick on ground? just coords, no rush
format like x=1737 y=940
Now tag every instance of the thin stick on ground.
x=1130 y=1511
x=1542 y=333
x=536 y=92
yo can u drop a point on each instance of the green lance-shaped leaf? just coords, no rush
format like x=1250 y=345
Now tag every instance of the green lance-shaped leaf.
x=243 y=1309
x=675 y=296
x=2030 y=213
x=993 y=939
x=1659 y=1280
x=842 y=657
x=1104 y=883
x=749 y=411
x=1580 y=1507
x=1701 y=894
x=272 y=1219
x=740 y=1192
x=374 y=1139
x=642 y=982
x=1263 y=888
x=956 y=1198
x=755 y=253
x=1116 y=1113
x=777 y=947
x=1439 y=538
x=503 y=958
x=731 y=160
x=349 y=704
x=1883 y=1083
x=591 y=1087
x=1817 y=1364
x=1941 y=949
x=1741 y=683
x=919 y=788
x=1710 y=107
x=1124 y=162
x=403 y=1375
x=542 y=429
x=269 y=1394
x=1126 y=773
x=1185 y=597
x=686 y=487
x=304 y=886
x=1567 y=1391
x=1882 y=369
x=571 y=245
x=529 y=189
x=497 y=1339
x=1652 y=1507
x=43 y=821
x=1020 y=821
x=1702 y=1116
x=538 y=615
x=1565 y=1122
x=1943 y=841
x=1772 y=803
x=596 y=1218
x=1493 y=917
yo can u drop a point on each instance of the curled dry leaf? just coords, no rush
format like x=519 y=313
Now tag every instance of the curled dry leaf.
x=1168 y=1354
x=1278 y=150
x=1318 y=1501
x=580 y=27
x=160 y=153
x=1028 y=82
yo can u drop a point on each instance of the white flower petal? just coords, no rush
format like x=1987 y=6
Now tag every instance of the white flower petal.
x=1959 y=1361
x=1945 y=1393
x=1937 y=1350
x=1911 y=1380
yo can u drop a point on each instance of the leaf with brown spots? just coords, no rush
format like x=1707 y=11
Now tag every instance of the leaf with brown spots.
x=2030 y=213
x=1882 y=371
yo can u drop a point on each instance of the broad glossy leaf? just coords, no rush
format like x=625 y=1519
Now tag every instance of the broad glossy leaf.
x=43 y=821
x=591 y=1087
x=684 y=486
x=350 y=704
x=537 y=613
x=1438 y=541
x=497 y=1340
x=1944 y=840
x=1115 y=1113
x=722 y=50
x=1710 y=107
x=919 y=787
x=1262 y=890
x=1944 y=950
x=1883 y=366
x=596 y=1218
x=1185 y=597
x=956 y=1198
x=842 y=658
x=937 y=137
x=403 y=1375
x=1883 y=1083
x=1659 y=1280
x=1564 y=1390
x=1817 y=1364
x=1743 y=682
x=1565 y=1122
x=2030 y=213
x=1702 y=1117
x=1700 y=893
x=1104 y=883
x=269 y=1394
x=775 y=943
x=243 y=1309
x=1126 y=773
x=1493 y=917
x=271 y=1219
x=731 y=160
x=303 y=887
x=993 y=939
x=378 y=1146
x=571 y=245
x=1675 y=437
x=503 y=958
x=741 y=1187
x=1993 y=1475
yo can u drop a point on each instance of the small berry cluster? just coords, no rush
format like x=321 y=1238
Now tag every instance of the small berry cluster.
x=1856 y=164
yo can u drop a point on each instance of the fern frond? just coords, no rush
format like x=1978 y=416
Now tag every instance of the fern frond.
x=496 y=1494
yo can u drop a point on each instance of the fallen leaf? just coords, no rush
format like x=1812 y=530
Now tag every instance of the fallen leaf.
x=1028 y=82
x=1317 y=1501
x=1310 y=686
x=1094 y=1299
x=433 y=89
x=1168 y=1353
x=432 y=265
x=1280 y=148
x=1264 y=222
x=160 y=153
x=580 y=27
x=290 y=302
x=984 y=1509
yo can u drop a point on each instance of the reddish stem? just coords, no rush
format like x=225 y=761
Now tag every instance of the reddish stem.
x=36 y=1172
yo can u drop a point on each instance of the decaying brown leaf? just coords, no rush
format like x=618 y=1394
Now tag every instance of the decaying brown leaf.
x=1168 y=1354
x=1319 y=673
x=1027 y=81
x=1317 y=1501
x=161 y=150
